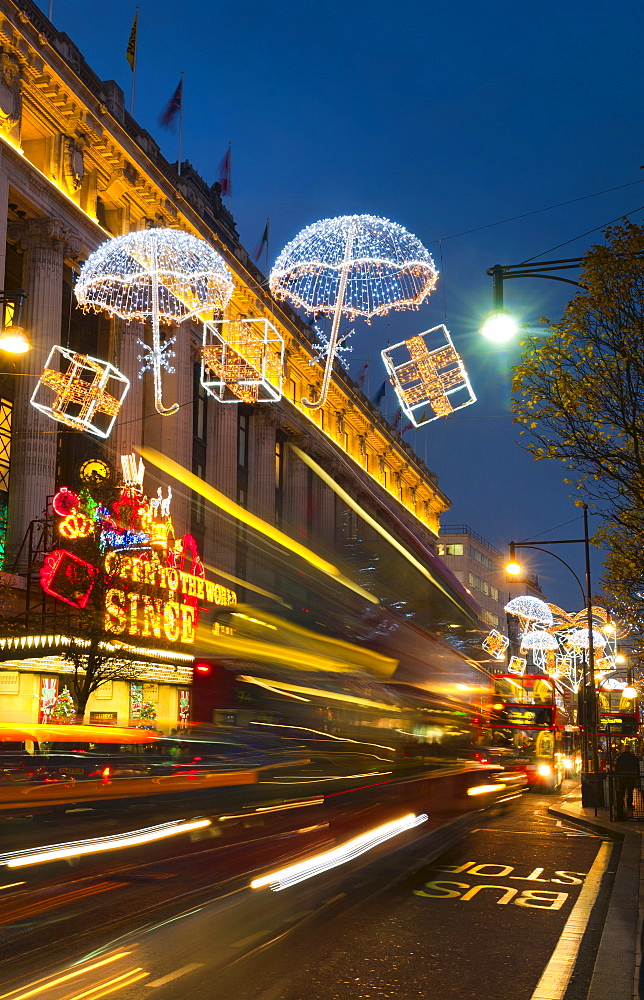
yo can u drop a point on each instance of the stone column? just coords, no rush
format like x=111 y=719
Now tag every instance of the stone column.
x=128 y=429
x=46 y=243
x=221 y=472
x=261 y=465
x=324 y=500
x=261 y=499
x=296 y=479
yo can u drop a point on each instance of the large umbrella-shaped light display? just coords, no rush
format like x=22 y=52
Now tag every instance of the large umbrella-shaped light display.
x=353 y=265
x=163 y=275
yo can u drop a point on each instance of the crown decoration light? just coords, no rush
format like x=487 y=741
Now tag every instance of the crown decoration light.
x=87 y=396
x=427 y=379
x=354 y=266
x=579 y=639
x=164 y=275
x=242 y=360
x=538 y=639
x=496 y=644
x=532 y=609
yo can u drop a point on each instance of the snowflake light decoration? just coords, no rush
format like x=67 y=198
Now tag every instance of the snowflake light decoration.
x=323 y=344
x=427 y=379
x=87 y=396
x=532 y=609
x=164 y=275
x=352 y=265
x=496 y=644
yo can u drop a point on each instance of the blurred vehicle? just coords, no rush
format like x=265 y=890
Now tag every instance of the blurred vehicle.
x=528 y=719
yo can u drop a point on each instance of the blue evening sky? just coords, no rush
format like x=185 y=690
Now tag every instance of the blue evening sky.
x=448 y=118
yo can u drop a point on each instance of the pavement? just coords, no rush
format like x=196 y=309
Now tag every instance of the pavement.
x=618 y=965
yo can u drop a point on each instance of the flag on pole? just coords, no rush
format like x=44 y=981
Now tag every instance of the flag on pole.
x=408 y=427
x=263 y=243
x=380 y=395
x=397 y=418
x=130 y=52
x=362 y=374
x=224 y=174
x=169 y=113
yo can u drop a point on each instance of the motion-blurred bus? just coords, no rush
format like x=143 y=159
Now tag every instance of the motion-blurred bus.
x=528 y=718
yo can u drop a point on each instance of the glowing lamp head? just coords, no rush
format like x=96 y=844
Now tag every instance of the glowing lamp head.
x=609 y=628
x=513 y=568
x=629 y=692
x=14 y=340
x=499 y=326
x=620 y=658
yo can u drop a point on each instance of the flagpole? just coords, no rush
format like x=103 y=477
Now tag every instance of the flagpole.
x=180 y=128
x=136 y=50
x=268 y=230
x=230 y=177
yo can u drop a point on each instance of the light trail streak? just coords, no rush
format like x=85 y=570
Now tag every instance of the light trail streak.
x=96 y=845
x=41 y=985
x=220 y=500
x=285 y=877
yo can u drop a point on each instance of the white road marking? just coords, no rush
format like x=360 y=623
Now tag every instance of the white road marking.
x=556 y=975
x=184 y=970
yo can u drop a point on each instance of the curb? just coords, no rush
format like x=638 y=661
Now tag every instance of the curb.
x=616 y=970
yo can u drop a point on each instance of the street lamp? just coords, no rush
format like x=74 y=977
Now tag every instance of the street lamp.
x=589 y=695
x=500 y=325
x=13 y=339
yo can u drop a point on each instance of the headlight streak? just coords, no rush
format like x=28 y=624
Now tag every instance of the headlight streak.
x=96 y=845
x=304 y=780
x=111 y=985
x=340 y=855
x=486 y=789
x=261 y=810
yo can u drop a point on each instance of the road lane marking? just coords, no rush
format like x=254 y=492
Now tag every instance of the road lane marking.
x=183 y=971
x=556 y=975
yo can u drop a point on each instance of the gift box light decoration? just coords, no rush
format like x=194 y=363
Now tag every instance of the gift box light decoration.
x=517 y=665
x=428 y=375
x=242 y=360
x=495 y=644
x=164 y=275
x=87 y=396
x=352 y=266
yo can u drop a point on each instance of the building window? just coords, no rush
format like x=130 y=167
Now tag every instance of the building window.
x=199 y=405
x=453 y=549
x=242 y=440
x=198 y=502
x=293 y=390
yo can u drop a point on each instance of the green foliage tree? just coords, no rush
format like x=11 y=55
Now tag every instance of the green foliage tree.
x=578 y=394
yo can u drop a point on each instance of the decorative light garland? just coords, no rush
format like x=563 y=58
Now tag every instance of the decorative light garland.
x=352 y=265
x=164 y=275
x=427 y=379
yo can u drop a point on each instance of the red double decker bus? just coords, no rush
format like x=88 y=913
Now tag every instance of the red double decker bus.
x=528 y=717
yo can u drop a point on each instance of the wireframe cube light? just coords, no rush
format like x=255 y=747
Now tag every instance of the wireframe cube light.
x=87 y=395
x=242 y=361
x=428 y=375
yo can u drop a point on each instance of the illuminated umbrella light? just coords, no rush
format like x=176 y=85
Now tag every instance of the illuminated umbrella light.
x=352 y=265
x=532 y=609
x=163 y=275
x=579 y=639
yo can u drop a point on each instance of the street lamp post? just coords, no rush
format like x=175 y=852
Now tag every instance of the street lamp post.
x=589 y=700
x=500 y=325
